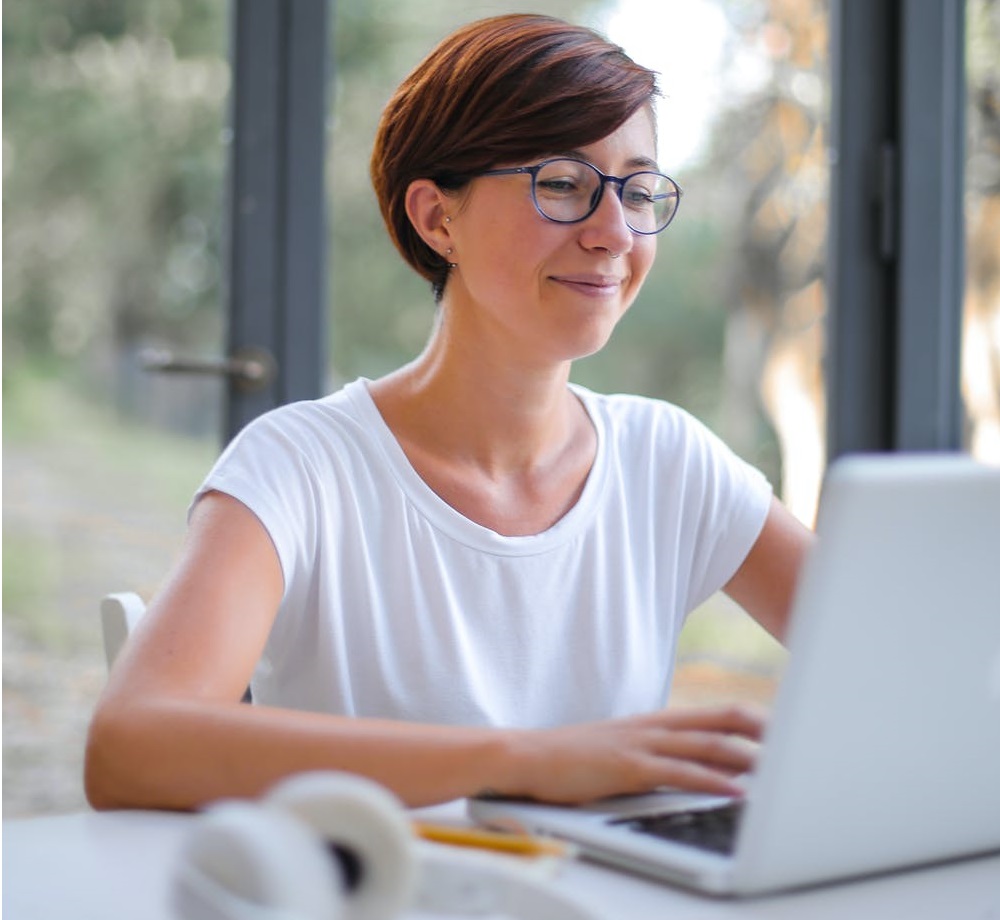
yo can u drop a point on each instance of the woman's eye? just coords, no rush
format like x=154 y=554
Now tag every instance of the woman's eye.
x=566 y=186
x=638 y=198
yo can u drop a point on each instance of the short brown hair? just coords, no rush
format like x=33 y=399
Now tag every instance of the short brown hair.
x=497 y=91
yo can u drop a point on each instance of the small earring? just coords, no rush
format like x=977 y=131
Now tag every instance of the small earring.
x=615 y=255
x=447 y=220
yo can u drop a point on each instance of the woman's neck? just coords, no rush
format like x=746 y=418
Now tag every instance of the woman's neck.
x=480 y=406
x=507 y=445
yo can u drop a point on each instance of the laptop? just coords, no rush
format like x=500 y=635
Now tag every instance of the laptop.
x=883 y=747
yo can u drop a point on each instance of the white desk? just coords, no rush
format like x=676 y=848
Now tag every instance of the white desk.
x=115 y=865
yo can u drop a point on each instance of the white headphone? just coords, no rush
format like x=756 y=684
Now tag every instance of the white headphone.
x=334 y=846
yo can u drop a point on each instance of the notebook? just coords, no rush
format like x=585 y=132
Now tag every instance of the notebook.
x=883 y=747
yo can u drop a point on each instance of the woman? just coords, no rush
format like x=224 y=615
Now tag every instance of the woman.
x=469 y=575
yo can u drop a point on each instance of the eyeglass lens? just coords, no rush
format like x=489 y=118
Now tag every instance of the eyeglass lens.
x=569 y=190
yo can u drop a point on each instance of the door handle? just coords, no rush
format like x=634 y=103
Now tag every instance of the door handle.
x=250 y=368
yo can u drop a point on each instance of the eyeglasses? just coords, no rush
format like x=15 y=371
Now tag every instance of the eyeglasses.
x=568 y=191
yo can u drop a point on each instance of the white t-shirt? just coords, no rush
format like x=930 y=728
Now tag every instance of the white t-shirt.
x=397 y=606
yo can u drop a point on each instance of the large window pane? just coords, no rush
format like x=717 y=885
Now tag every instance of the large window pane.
x=113 y=159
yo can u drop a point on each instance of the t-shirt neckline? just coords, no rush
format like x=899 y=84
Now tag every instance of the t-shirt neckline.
x=452 y=522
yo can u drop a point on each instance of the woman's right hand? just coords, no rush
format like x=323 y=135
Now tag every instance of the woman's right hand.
x=700 y=749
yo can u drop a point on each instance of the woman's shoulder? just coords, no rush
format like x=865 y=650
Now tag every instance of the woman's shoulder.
x=337 y=409
x=317 y=427
x=643 y=431
x=629 y=415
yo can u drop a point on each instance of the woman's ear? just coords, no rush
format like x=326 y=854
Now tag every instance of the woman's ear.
x=426 y=206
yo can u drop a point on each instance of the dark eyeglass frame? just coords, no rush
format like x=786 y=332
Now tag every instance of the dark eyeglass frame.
x=618 y=181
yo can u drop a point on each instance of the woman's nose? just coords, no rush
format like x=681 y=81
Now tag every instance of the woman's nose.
x=606 y=227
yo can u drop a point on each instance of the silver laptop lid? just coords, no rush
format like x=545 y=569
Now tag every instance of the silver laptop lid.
x=884 y=744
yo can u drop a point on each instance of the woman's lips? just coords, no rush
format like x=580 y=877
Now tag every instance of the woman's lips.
x=593 y=285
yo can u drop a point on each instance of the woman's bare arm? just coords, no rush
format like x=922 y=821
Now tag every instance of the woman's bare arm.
x=765 y=584
x=170 y=732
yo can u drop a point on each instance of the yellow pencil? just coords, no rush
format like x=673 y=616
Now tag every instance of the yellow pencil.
x=519 y=844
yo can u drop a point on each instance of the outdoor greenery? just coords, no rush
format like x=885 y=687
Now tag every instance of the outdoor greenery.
x=115 y=143
x=113 y=162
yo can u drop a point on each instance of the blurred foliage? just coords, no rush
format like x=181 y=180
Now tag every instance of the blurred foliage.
x=113 y=158
x=114 y=178
x=981 y=339
x=769 y=159
x=114 y=165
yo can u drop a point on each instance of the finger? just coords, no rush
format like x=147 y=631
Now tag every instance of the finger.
x=711 y=749
x=695 y=777
x=738 y=719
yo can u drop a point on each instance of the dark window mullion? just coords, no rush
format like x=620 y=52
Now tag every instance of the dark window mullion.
x=896 y=227
x=861 y=258
x=932 y=108
x=277 y=243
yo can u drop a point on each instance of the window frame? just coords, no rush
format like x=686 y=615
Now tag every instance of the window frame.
x=896 y=254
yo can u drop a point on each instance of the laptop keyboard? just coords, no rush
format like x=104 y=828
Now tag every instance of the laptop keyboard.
x=708 y=828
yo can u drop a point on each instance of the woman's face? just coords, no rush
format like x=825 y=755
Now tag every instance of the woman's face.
x=549 y=291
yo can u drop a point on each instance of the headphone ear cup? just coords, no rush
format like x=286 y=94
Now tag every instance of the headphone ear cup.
x=243 y=862
x=366 y=828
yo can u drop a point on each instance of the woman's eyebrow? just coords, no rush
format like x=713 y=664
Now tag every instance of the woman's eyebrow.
x=644 y=163
x=636 y=163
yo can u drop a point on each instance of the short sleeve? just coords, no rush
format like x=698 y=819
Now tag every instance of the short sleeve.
x=265 y=469
x=728 y=501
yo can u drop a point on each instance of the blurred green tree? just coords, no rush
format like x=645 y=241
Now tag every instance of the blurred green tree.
x=113 y=142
